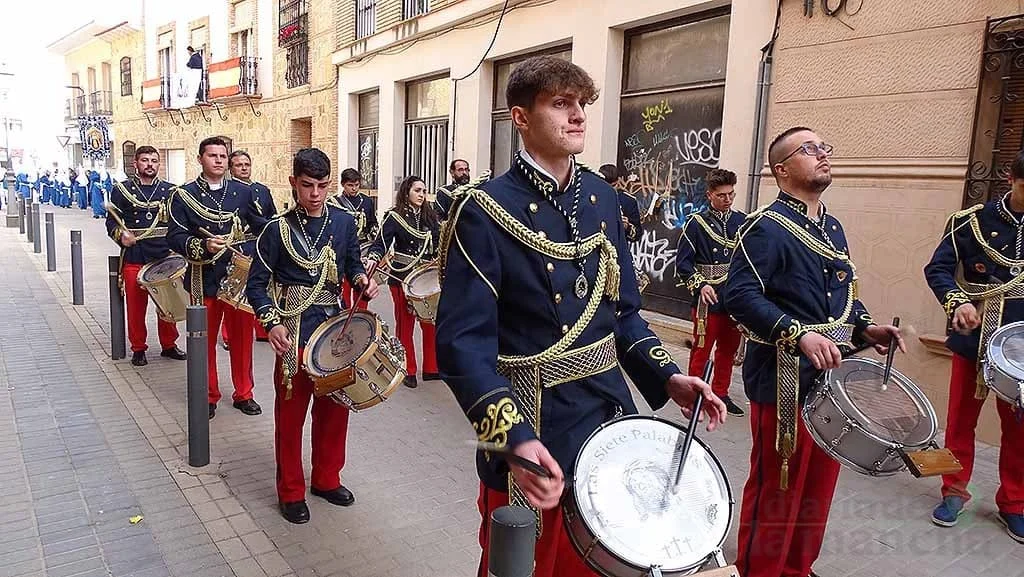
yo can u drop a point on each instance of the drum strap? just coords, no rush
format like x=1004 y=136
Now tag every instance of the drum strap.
x=995 y=296
x=294 y=297
x=714 y=275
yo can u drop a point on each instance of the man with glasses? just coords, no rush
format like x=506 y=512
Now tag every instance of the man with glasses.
x=792 y=286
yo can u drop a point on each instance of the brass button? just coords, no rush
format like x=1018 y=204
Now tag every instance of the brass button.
x=534 y=207
x=714 y=250
x=565 y=329
x=829 y=295
x=593 y=199
x=551 y=267
x=542 y=234
x=807 y=226
x=831 y=319
x=994 y=234
x=833 y=227
x=558 y=298
x=725 y=252
x=824 y=270
x=604 y=226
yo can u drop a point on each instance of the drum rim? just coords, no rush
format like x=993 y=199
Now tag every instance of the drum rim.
x=908 y=386
x=825 y=446
x=417 y=272
x=180 y=273
x=325 y=326
x=994 y=351
x=707 y=449
x=989 y=382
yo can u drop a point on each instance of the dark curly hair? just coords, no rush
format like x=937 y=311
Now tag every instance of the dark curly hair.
x=548 y=74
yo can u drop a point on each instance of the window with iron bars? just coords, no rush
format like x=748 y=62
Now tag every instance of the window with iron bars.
x=293 y=22
x=414 y=8
x=297 y=71
x=126 y=76
x=128 y=157
x=366 y=18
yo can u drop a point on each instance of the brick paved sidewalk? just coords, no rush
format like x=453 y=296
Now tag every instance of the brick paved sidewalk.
x=413 y=477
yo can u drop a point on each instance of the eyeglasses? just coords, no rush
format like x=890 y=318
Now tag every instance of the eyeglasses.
x=810 y=149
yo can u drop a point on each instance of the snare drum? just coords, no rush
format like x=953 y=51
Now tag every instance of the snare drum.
x=164 y=281
x=1004 y=363
x=865 y=427
x=232 y=286
x=423 y=291
x=358 y=369
x=621 y=514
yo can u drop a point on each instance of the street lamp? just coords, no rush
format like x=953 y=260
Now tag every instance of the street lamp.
x=6 y=80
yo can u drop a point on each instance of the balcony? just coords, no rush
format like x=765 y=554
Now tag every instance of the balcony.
x=237 y=77
x=101 y=103
x=170 y=91
x=74 y=107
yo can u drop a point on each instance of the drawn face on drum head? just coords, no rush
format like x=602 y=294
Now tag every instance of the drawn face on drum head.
x=622 y=487
x=164 y=268
x=335 y=351
x=425 y=283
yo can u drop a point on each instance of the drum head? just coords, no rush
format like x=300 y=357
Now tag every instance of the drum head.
x=1006 y=350
x=622 y=488
x=329 y=351
x=163 y=269
x=423 y=283
x=899 y=413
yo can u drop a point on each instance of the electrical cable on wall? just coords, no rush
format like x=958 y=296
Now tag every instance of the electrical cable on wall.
x=490 y=46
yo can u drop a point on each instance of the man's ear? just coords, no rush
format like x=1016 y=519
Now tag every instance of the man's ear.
x=520 y=117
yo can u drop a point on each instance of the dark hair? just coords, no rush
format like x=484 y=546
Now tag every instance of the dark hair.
x=719 y=177
x=311 y=162
x=774 y=153
x=547 y=74
x=402 y=203
x=190 y=49
x=350 y=175
x=238 y=153
x=1017 y=167
x=212 y=141
x=610 y=172
x=145 y=150
x=451 y=166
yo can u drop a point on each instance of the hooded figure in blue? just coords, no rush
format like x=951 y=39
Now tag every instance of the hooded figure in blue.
x=96 y=196
x=82 y=192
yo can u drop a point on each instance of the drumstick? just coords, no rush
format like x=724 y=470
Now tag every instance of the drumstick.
x=211 y=235
x=888 y=358
x=683 y=451
x=362 y=290
x=508 y=455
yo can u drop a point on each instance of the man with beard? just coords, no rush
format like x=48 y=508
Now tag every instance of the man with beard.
x=361 y=208
x=137 y=222
x=240 y=166
x=792 y=286
x=459 y=169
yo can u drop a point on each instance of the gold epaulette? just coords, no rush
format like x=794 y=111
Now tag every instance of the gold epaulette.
x=967 y=211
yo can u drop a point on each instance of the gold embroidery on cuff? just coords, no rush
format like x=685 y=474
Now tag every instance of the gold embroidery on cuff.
x=953 y=300
x=195 y=249
x=660 y=354
x=790 y=336
x=498 y=419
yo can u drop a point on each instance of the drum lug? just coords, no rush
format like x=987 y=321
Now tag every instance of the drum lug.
x=847 y=428
x=825 y=419
x=655 y=571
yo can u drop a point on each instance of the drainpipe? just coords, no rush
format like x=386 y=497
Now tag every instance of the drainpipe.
x=764 y=76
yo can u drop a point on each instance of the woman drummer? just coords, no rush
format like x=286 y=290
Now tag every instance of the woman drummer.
x=411 y=230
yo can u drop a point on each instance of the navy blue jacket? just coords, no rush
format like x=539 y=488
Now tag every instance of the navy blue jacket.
x=443 y=202
x=632 y=213
x=500 y=296
x=274 y=263
x=998 y=230
x=184 y=237
x=357 y=205
x=707 y=239
x=409 y=236
x=139 y=206
x=778 y=284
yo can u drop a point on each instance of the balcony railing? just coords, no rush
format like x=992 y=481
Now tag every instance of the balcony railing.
x=100 y=103
x=74 y=107
x=235 y=77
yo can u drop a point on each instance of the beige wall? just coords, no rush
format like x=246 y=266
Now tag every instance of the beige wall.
x=895 y=96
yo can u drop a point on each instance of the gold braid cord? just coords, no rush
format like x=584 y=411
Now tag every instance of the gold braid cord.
x=730 y=244
x=194 y=257
x=423 y=236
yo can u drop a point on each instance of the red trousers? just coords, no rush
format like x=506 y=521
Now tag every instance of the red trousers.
x=962 y=420
x=330 y=431
x=239 y=329
x=781 y=532
x=720 y=330
x=554 y=555
x=136 y=301
x=405 y=321
x=260 y=332
x=347 y=295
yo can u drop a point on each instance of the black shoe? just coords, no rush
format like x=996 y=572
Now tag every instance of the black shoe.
x=213 y=409
x=410 y=381
x=340 y=496
x=733 y=408
x=431 y=377
x=139 y=359
x=248 y=406
x=297 y=512
x=174 y=353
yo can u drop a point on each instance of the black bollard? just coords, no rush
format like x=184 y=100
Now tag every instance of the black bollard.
x=117 y=329
x=27 y=208
x=37 y=237
x=513 y=540
x=197 y=393
x=21 y=215
x=77 y=283
x=51 y=249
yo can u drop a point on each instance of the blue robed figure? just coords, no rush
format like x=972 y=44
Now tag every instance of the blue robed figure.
x=24 y=188
x=96 y=196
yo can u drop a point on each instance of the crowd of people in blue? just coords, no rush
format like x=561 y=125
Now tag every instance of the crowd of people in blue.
x=82 y=188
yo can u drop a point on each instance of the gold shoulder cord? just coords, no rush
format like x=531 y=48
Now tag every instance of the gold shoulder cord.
x=423 y=236
x=730 y=244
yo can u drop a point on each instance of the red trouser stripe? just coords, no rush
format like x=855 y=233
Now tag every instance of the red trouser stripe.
x=781 y=532
x=722 y=330
x=329 y=434
x=238 y=324
x=961 y=422
x=405 y=321
x=554 y=554
x=136 y=302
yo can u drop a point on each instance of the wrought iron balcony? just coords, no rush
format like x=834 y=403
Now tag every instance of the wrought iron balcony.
x=236 y=77
x=74 y=107
x=101 y=103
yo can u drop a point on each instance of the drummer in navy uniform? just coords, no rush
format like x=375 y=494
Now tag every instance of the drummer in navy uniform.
x=792 y=286
x=702 y=263
x=321 y=247
x=411 y=228
x=137 y=222
x=459 y=169
x=361 y=207
x=539 y=306
x=984 y=241
x=211 y=217
x=627 y=202
x=240 y=166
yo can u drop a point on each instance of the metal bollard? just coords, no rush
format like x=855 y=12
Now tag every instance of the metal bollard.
x=51 y=249
x=28 y=220
x=117 y=329
x=197 y=393
x=21 y=215
x=513 y=539
x=37 y=238
x=77 y=283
